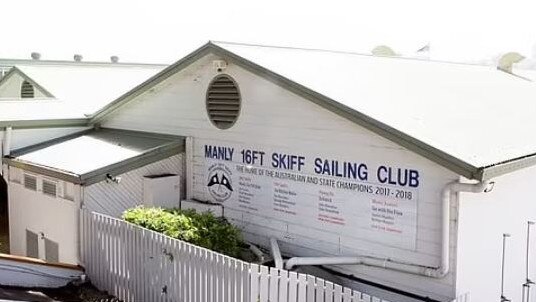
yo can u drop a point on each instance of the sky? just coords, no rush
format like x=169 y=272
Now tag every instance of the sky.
x=163 y=31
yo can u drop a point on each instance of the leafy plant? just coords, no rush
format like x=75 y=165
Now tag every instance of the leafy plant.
x=202 y=229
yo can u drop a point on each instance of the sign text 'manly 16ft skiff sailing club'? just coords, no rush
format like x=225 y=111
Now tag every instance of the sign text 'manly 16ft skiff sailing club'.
x=359 y=200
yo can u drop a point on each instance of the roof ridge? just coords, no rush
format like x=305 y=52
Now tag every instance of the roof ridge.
x=217 y=43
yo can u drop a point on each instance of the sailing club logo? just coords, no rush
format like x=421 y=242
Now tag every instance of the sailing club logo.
x=219 y=182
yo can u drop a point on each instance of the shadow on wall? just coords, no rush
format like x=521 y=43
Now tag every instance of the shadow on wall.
x=4 y=218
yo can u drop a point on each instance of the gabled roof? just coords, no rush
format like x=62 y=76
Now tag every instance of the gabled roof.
x=474 y=120
x=87 y=157
x=89 y=86
x=75 y=90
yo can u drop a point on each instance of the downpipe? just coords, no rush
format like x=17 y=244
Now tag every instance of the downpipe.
x=386 y=263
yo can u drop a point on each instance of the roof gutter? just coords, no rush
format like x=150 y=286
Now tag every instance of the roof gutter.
x=49 y=123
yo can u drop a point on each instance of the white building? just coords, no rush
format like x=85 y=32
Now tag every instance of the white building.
x=50 y=182
x=413 y=168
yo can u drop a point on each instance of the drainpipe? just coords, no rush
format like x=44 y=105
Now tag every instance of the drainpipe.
x=387 y=263
x=276 y=253
x=7 y=141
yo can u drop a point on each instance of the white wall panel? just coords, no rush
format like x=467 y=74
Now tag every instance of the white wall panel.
x=114 y=198
x=52 y=217
x=484 y=218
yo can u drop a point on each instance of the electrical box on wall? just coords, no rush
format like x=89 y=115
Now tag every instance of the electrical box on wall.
x=162 y=190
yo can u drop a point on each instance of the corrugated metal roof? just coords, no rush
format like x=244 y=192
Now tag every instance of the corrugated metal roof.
x=477 y=114
x=88 y=87
x=96 y=152
x=38 y=109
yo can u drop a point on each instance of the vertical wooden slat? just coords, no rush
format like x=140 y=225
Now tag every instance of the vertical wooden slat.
x=311 y=288
x=356 y=296
x=347 y=295
x=231 y=284
x=195 y=273
x=328 y=291
x=146 y=265
x=337 y=295
x=264 y=284
x=210 y=277
x=292 y=286
x=254 y=282
x=319 y=289
x=274 y=284
x=302 y=288
x=283 y=285
x=220 y=290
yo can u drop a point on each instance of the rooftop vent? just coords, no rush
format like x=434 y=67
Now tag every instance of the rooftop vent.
x=78 y=58
x=114 y=59
x=507 y=60
x=223 y=102
x=26 y=90
x=36 y=56
x=383 y=51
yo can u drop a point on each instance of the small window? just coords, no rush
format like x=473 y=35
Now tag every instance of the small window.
x=223 y=102
x=30 y=182
x=26 y=90
x=49 y=187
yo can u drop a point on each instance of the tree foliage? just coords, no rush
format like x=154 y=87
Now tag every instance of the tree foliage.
x=202 y=229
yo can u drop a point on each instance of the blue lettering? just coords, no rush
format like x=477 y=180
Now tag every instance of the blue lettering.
x=413 y=178
x=287 y=161
x=380 y=173
x=363 y=172
x=318 y=165
x=221 y=153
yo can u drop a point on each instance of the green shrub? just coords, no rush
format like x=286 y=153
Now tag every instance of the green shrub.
x=202 y=229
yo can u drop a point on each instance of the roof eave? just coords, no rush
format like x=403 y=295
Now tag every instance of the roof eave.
x=47 y=123
x=98 y=175
x=42 y=170
x=148 y=157
x=492 y=171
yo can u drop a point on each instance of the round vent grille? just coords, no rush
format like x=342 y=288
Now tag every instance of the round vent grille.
x=26 y=90
x=223 y=101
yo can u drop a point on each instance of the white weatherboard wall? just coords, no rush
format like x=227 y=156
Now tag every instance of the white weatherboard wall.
x=114 y=198
x=484 y=218
x=35 y=211
x=275 y=120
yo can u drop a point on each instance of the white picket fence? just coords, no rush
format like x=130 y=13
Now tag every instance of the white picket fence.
x=136 y=264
